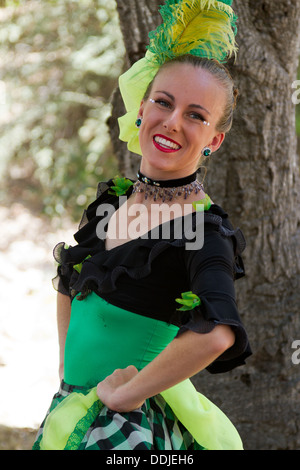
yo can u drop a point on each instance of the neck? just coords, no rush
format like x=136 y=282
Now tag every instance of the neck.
x=167 y=183
x=160 y=174
x=167 y=190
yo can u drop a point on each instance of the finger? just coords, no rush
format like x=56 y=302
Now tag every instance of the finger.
x=124 y=373
x=132 y=369
x=119 y=377
x=129 y=372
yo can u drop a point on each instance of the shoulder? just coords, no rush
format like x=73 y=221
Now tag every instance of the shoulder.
x=108 y=192
x=223 y=244
x=218 y=219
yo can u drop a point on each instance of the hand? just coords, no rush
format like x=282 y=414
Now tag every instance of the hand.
x=115 y=391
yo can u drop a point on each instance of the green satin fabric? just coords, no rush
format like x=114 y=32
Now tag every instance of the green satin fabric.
x=102 y=338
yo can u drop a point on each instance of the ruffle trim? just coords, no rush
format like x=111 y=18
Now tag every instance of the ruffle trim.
x=68 y=423
x=90 y=267
x=203 y=319
x=81 y=427
x=100 y=270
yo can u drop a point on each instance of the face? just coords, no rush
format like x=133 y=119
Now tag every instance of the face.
x=179 y=121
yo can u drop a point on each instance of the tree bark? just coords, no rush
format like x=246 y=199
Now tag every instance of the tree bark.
x=255 y=177
x=259 y=167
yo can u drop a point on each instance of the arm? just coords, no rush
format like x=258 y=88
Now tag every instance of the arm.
x=127 y=389
x=63 y=320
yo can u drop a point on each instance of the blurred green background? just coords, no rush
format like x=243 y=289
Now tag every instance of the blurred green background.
x=59 y=64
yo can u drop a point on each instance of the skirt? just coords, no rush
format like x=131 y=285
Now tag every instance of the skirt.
x=154 y=426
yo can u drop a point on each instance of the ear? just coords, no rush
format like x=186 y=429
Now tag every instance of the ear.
x=141 y=109
x=217 y=141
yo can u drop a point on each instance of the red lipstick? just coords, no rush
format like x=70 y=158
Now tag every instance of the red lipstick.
x=165 y=144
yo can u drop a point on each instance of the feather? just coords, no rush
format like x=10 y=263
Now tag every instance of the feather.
x=205 y=28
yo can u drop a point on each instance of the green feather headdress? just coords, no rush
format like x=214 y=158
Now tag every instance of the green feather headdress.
x=204 y=28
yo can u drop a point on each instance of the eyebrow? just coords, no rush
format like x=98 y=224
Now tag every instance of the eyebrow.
x=190 y=105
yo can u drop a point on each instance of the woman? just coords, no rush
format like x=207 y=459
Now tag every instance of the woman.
x=178 y=116
x=127 y=348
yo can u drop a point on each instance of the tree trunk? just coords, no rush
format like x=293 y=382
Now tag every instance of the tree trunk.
x=255 y=177
x=260 y=170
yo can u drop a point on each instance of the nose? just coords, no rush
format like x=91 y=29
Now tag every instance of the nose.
x=173 y=122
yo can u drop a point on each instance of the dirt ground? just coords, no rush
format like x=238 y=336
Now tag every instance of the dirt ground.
x=28 y=337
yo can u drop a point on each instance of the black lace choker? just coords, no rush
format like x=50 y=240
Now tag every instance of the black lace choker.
x=167 y=189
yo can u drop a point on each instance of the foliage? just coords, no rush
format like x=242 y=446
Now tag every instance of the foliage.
x=60 y=64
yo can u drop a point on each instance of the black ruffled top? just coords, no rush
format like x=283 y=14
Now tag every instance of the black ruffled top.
x=146 y=275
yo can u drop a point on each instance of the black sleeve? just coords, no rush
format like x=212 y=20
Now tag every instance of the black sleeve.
x=212 y=271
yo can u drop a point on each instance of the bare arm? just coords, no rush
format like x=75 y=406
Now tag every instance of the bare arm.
x=127 y=389
x=63 y=320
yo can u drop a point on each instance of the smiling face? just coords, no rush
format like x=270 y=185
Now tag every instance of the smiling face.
x=179 y=121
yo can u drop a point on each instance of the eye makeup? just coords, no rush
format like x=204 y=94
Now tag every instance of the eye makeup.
x=206 y=123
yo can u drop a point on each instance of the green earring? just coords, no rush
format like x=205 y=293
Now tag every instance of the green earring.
x=138 y=123
x=206 y=152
